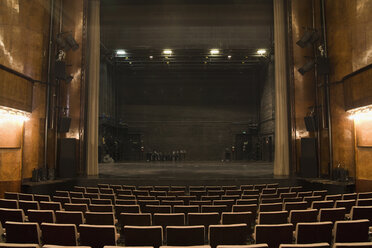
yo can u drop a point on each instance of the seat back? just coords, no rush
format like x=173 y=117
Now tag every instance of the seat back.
x=185 y=235
x=39 y=198
x=9 y=203
x=204 y=219
x=97 y=236
x=362 y=212
x=152 y=209
x=351 y=231
x=239 y=218
x=353 y=245
x=350 y=196
x=101 y=208
x=80 y=201
x=332 y=214
x=308 y=215
x=235 y=234
x=74 y=194
x=214 y=209
x=11 y=195
x=99 y=218
x=26 y=205
x=16 y=215
x=169 y=220
x=316 y=245
x=364 y=202
x=125 y=209
x=333 y=197
x=274 y=235
x=70 y=217
x=347 y=204
x=246 y=208
x=22 y=232
x=364 y=195
x=101 y=201
x=18 y=245
x=81 y=207
x=25 y=197
x=48 y=205
x=135 y=219
x=143 y=236
x=289 y=206
x=275 y=217
x=270 y=207
x=40 y=216
x=322 y=204
x=314 y=232
x=59 y=234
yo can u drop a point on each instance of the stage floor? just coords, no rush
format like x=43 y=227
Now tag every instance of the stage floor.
x=191 y=170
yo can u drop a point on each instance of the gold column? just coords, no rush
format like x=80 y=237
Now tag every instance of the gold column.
x=93 y=87
x=281 y=162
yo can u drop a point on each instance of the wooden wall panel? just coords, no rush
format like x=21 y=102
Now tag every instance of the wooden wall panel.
x=15 y=92
x=350 y=48
x=24 y=44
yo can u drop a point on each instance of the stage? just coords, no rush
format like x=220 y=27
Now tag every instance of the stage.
x=197 y=170
x=187 y=173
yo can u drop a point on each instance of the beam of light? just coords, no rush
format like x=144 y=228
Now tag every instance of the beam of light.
x=261 y=51
x=167 y=52
x=362 y=113
x=120 y=52
x=13 y=114
x=214 y=51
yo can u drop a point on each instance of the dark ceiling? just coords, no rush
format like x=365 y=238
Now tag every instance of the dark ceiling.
x=186 y=24
x=190 y=28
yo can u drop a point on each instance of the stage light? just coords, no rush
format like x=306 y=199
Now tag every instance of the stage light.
x=7 y=114
x=261 y=52
x=309 y=37
x=229 y=57
x=214 y=51
x=167 y=52
x=307 y=67
x=72 y=42
x=362 y=113
x=65 y=41
x=120 y=52
x=151 y=57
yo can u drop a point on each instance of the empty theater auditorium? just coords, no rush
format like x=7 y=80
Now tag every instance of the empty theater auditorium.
x=186 y=123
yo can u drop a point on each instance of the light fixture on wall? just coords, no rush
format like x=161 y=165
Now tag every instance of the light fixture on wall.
x=309 y=37
x=361 y=113
x=11 y=114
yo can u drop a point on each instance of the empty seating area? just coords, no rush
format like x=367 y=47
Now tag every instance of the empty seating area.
x=264 y=215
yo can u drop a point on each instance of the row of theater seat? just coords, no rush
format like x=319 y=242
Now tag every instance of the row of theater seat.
x=98 y=236
x=315 y=245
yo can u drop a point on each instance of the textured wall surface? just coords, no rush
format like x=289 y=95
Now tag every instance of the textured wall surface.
x=23 y=44
x=200 y=113
x=349 y=25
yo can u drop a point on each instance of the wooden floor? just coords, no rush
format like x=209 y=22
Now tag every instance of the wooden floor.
x=181 y=170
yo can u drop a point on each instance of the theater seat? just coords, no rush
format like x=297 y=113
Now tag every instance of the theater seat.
x=143 y=236
x=185 y=235
x=236 y=234
x=22 y=232
x=59 y=234
x=97 y=236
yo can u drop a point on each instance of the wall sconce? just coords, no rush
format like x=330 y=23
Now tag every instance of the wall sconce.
x=12 y=114
x=362 y=113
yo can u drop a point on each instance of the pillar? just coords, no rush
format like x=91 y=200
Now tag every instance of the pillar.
x=93 y=88
x=281 y=162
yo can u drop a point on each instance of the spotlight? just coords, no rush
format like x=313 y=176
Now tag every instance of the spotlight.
x=120 y=52
x=307 y=67
x=261 y=52
x=214 y=51
x=151 y=57
x=167 y=52
x=72 y=42
x=309 y=37
x=65 y=41
x=229 y=57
